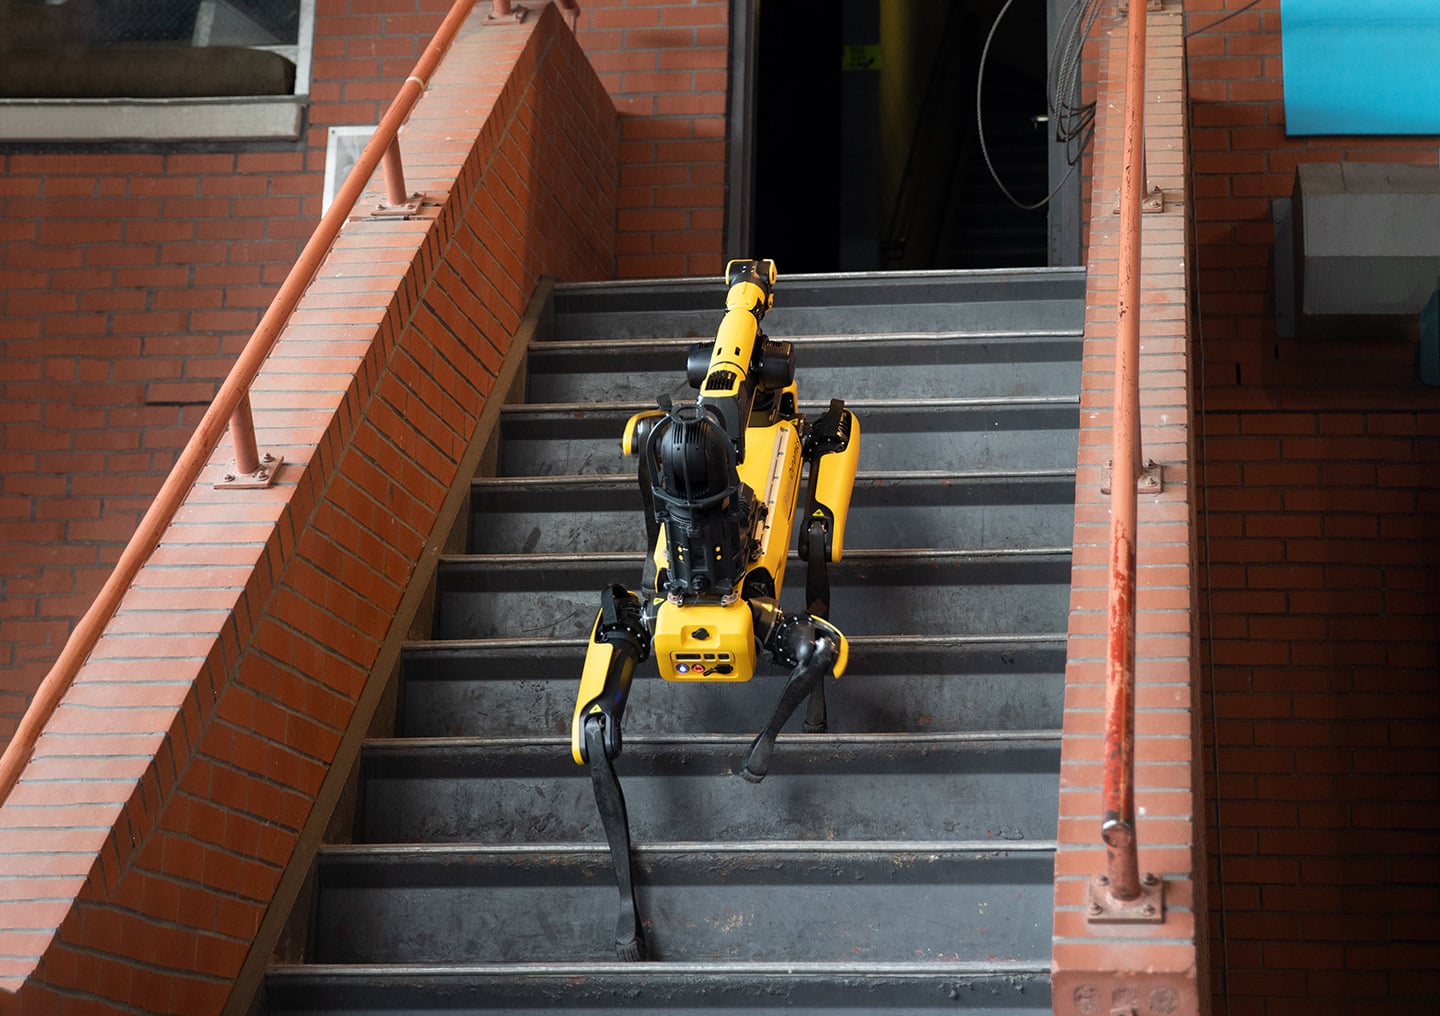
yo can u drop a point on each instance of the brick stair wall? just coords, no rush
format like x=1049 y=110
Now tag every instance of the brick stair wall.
x=146 y=840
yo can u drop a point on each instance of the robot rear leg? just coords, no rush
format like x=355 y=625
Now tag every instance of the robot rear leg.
x=620 y=640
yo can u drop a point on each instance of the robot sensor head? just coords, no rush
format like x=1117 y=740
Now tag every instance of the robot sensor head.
x=696 y=458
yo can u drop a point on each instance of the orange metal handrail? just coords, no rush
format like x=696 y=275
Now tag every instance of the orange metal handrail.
x=1122 y=878
x=231 y=403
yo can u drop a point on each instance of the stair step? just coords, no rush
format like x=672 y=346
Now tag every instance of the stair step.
x=948 y=435
x=872 y=592
x=1000 y=300
x=888 y=366
x=515 y=688
x=949 y=511
x=820 y=787
x=991 y=988
x=702 y=901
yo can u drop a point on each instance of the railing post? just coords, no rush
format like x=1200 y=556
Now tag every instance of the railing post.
x=395 y=193
x=569 y=10
x=1121 y=894
x=398 y=202
x=249 y=469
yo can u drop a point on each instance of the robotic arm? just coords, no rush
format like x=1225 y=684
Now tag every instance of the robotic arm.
x=720 y=480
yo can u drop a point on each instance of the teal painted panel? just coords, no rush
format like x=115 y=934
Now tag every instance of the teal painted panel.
x=1361 y=66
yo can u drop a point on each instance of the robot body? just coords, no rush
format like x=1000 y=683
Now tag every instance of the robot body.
x=721 y=480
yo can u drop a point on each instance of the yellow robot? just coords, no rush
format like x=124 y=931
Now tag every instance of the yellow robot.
x=720 y=479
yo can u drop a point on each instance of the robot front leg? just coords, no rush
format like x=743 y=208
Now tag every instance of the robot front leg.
x=620 y=640
x=817 y=601
x=832 y=450
x=814 y=647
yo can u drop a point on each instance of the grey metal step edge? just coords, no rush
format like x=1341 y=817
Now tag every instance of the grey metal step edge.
x=648 y=971
x=922 y=554
x=813 y=741
x=559 y=346
x=800 y=288
x=865 y=477
x=385 y=852
x=1065 y=401
x=922 y=641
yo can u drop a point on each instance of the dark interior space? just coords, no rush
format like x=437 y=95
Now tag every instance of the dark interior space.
x=867 y=153
x=797 y=122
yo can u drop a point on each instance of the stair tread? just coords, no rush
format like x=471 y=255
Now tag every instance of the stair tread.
x=1011 y=299
x=912 y=641
x=707 y=900
x=807 y=339
x=863 y=478
x=383 y=853
x=647 y=971
x=823 y=743
x=998 y=986
x=820 y=788
x=923 y=555
x=526 y=688
x=634 y=405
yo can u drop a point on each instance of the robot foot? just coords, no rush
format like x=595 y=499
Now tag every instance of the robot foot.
x=630 y=950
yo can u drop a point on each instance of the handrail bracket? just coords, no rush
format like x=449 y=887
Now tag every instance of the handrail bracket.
x=1104 y=907
x=403 y=209
x=1149 y=479
x=1151 y=201
x=259 y=478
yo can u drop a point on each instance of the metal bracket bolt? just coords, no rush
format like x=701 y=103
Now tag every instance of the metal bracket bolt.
x=262 y=478
x=1151 y=202
x=1150 y=481
x=515 y=12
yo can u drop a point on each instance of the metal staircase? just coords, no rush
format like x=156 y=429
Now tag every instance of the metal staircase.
x=902 y=862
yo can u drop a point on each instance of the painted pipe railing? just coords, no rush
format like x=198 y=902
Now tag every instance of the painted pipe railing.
x=231 y=406
x=1121 y=893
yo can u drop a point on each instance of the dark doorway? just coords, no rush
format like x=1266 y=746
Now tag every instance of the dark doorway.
x=863 y=145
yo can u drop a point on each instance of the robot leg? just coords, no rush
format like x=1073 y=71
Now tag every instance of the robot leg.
x=619 y=641
x=817 y=599
x=832 y=449
x=814 y=647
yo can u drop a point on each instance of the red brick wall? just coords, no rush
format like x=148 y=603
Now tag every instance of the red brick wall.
x=146 y=839
x=129 y=280
x=665 y=64
x=128 y=283
x=1323 y=585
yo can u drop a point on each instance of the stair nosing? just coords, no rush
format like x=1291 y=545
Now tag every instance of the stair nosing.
x=557 y=346
x=860 y=555
x=736 y=741
x=979 y=402
x=665 y=848
x=1057 y=638
x=867 y=476
x=799 y=969
x=716 y=282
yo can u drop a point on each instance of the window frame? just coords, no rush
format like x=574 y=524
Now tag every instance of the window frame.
x=209 y=118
